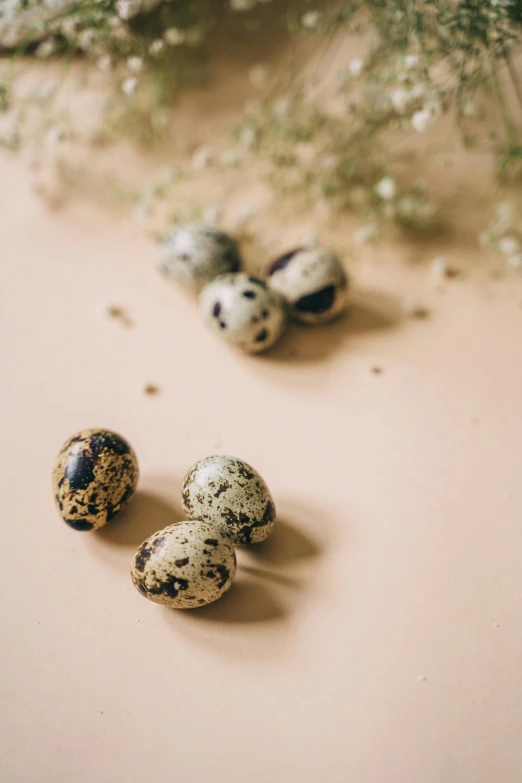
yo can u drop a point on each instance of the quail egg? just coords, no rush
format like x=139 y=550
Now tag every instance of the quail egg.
x=243 y=311
x=195 y=254
x=313 y=283
x=231 y=495
x=94 y=475
x=185 y=565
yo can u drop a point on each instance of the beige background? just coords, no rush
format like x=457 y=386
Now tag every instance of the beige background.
x=376 y=637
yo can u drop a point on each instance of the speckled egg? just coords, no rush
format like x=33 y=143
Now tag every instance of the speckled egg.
x=95 y=474
x=184 y=566
x=313 y=282
x=194 y=254
x=231 y=495
x=243 y=311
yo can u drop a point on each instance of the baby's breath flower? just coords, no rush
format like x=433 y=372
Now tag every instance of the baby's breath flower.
x=242 y=5
x=46 y=49
x=156 y=47
x=400 y=99
x=174 y=37
x=356 y=66
x=104 y=63
x=411 y=61
x=202 y=157
x=310 y=20
x=86 y=39
x=422 y=119
x=135 y=64
x=281 y=107
x=129 y=85
x=508 y=246
x=386 y=188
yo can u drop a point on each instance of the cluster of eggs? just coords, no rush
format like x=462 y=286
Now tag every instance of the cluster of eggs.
x=248 y=312
x=187 y=564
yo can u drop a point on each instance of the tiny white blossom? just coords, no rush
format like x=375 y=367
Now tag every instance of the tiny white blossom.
x=46 y=49
x=69 y=27
x=156 y=47
x=421 y=120
x=202 y=157
x=281 y=107
x=508 y=246
x=129 y=85
x=85 y=39
x=174 y=37
x=104 y=63
x=355 y=66
x=400 y=99
x=242 y=5
x=411 y=61
x=310 y=19
x=386 y=188
x=135 y=64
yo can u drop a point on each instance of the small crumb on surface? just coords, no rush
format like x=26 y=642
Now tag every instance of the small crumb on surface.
x=377 y=370
x=496 y=625
x=422 y=678
x=440 y=270
x=452 y=273
x=150 y=389
x=119 y=314
x=412 y=307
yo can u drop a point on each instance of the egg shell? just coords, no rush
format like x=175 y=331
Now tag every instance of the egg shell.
x=243 y=311
x=313 y=283
x=231 y=495
x=185 y=565
x=95 y=474
x=194 y=254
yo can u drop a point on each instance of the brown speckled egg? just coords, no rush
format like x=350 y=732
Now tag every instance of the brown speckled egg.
x=184 y=566
x=95 y=474
x=231 y=495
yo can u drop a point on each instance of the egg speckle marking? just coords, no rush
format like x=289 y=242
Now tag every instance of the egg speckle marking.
x=242 y=310
x=95 y=474
x=313 y=282
x=185 y=565
x=194 y=254
x=231 y=495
